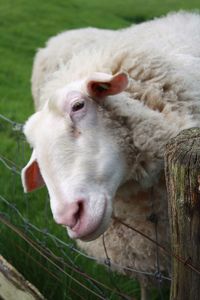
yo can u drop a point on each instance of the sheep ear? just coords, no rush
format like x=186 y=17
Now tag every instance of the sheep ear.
x=31 y=176
x=101 y=85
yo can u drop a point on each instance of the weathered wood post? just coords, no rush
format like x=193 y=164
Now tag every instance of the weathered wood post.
x=182 y=167
x=13 y=286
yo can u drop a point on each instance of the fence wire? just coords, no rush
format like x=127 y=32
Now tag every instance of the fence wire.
x=37 y=239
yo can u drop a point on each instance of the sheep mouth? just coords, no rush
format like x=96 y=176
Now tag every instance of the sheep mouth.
x=88 y=229
x=90 y=236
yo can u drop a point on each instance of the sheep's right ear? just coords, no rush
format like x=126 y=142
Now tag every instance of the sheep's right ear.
x=31 y=176
x=101 y=85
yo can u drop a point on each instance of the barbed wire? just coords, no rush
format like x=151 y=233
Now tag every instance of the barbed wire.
x=37 y=249
x=184 y=261
x=72 y=247
x=11 y=167
x=15 y=125
x=16 y=245
x=47 y=251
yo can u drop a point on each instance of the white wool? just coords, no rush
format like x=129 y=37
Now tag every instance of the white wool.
x=162 y=59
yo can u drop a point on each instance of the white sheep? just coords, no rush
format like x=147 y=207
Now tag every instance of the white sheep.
x=107 y=102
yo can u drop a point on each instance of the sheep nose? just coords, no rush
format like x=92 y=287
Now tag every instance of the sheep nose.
x=70 y=214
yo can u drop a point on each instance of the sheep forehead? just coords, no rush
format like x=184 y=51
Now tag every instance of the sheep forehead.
x=73 y=86
x=58 y=93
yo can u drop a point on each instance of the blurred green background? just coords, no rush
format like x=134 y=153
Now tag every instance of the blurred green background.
x=24 y=27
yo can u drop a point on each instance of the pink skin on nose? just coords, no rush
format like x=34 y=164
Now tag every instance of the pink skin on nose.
x=78 y=220
x=70 y=214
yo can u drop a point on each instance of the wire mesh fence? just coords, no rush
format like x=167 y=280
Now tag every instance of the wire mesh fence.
x=42 y=250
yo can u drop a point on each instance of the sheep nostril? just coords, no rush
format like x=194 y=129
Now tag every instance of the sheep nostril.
x=79 y=212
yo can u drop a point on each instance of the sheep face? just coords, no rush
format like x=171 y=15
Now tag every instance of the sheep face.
x=76 y=155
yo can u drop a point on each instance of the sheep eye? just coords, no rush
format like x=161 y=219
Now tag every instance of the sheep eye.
x=78 y=105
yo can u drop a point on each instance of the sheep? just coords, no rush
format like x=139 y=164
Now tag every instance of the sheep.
x=107 y=102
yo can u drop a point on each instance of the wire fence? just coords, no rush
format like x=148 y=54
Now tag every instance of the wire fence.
x=61 y=253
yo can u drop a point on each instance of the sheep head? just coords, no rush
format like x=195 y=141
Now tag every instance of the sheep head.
x=76 y=155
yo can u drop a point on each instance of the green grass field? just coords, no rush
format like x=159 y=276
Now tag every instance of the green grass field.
x=24 y=27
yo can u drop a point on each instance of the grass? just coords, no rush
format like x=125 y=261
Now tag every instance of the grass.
x=24 y=27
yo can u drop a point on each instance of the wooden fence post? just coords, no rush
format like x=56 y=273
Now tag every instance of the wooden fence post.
x=13 y=286
x=182 y=168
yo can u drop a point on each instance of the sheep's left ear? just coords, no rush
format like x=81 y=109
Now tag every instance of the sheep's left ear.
x=31 y=176
x=100 y=85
